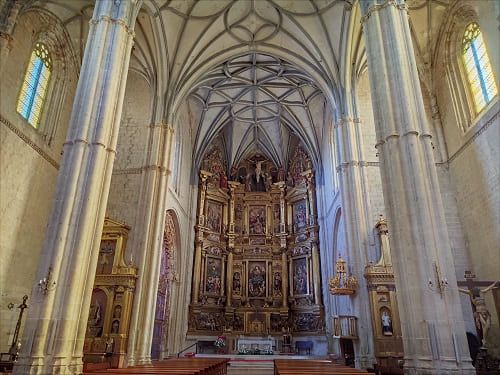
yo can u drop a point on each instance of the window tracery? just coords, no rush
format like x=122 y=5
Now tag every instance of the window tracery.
x=478 y=67
x=34 y=88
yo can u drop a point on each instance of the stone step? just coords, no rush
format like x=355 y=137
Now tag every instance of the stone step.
x=250 y=367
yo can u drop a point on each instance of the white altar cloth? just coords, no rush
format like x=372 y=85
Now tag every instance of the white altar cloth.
x=255 y=343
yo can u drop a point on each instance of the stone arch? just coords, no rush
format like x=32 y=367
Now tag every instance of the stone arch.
x=49 y=30
x=338 y=233
x=168 y=274
x=456 y=78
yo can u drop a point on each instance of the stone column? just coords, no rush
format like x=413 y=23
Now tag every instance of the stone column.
x=57 y=320
x=431 y=315
x=355 y=209
x=151 y=226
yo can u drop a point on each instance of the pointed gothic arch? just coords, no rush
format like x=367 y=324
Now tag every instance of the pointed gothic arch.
x=168 y=273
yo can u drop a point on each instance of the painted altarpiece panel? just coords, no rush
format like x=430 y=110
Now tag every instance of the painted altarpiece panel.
x=276 y=218
x=257 y=220
x=256 y=279
x=213 y=272
x=214 y=216
x=300 y=276
x=97 y=311
x=106 y=257
x=299 y=216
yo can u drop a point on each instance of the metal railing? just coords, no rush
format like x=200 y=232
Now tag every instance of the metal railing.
x=189 y=347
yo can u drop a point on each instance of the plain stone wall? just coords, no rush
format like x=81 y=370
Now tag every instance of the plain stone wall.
x=470 y=180
x=124 y=195
x=182 y=201
x=475 y=176
x=28 y=169
x=374 y=179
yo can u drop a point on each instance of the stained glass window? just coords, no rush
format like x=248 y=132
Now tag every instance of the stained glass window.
x=478 y=67
x=34 y=87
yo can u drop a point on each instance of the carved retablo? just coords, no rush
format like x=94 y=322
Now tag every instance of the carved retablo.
x=111 y=303
x=257 y=256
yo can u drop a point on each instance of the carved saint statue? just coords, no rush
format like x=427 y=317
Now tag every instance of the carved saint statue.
x=94 y=313
x=482 y=316
x=386 y=324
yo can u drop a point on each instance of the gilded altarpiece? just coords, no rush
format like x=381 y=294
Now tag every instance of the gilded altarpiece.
x=111 y=303
x=385 y=317
x=256 y=268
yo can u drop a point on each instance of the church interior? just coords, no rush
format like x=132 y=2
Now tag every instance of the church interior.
x=316 y=178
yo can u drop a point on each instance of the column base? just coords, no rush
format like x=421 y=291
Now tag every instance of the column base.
x=364 y=361
x=143 y=361
x=437 y=367
x=38 y=366
x=29 y=365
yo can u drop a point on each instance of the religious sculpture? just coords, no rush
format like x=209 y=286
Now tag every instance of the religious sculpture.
x=236 y=283
x=482 y=316
x=94 y=313
x=386 y=324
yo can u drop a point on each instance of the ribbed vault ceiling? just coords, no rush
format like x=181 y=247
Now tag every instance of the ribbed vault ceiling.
x=259 y=74
x=257 y=103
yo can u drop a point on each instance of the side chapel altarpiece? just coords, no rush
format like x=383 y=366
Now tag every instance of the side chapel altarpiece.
x=112 y=297
x=256 y=268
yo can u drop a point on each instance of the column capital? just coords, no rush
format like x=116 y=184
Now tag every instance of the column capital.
x=346 y=121
x=163 y=126
x=368 y=7
x=117 y=21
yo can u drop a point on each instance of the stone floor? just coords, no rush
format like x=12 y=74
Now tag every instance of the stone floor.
x=265 y=367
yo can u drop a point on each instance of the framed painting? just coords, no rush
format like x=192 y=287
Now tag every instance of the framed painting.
x=299 y=216
x=276 y=218
x=214 y=216
x=213 y=276
x=257 y=220
x=106 y=257
x=257 y=279
x=300 y=277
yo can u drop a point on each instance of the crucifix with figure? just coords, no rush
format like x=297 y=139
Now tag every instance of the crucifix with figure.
x=482 y=316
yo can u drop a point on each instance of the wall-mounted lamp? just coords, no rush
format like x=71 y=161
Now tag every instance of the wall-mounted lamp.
x=47 y=284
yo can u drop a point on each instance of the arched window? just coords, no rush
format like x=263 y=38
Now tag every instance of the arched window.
x=478 y=67
x=35 y=83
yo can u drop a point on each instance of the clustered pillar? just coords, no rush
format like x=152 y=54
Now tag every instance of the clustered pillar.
x=432 y=324
x=57 y=319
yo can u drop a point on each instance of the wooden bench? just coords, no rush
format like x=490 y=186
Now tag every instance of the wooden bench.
x=312 y=367
x=180 y=366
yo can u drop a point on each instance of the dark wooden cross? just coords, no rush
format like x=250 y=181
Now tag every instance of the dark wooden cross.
x=14 y=348
x=470 y=283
